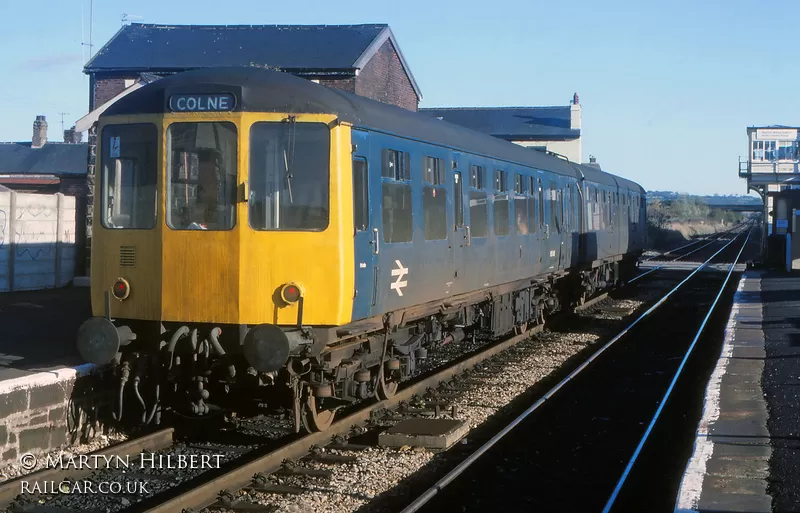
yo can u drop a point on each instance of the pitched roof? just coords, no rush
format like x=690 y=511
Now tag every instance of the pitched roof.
x=512 y=123
x=294 y=48
x=259 y=90
x=51 y=159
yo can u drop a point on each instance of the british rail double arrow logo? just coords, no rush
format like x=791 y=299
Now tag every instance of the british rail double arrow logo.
x=399 y=283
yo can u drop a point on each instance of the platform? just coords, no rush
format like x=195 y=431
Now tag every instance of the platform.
x=746 y=449
x=39 y=367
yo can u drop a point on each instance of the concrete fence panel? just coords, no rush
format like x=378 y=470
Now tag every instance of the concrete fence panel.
x=37 y=241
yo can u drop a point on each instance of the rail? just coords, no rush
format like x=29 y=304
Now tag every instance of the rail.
x=458 y=470
x=654 y=269
x=667 y=394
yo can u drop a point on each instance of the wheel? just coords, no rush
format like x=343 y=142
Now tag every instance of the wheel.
x=315 y=419
x=385 y=389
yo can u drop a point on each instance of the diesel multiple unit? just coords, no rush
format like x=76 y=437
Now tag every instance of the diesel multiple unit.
x=261 y=240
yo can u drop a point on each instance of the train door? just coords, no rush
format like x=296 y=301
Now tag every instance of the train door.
x=365 y=239
x=459 y=235
x=624 y=220
x=397 y=222
x=551 y=239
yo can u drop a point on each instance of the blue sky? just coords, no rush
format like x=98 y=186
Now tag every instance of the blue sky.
x=667 y=89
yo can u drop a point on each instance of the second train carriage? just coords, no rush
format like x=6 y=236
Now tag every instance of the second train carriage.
x=256 y=229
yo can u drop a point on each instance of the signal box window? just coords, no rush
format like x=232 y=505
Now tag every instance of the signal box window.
x=434 y=199
x=201 y=176
x=289 y=176
x=129 y=173
x=396 y=193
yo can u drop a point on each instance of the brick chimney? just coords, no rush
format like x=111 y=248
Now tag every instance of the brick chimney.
x=71 y=136
x=39 y=132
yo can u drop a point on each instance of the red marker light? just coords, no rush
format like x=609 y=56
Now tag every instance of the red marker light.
x=121 y=289
x=291 y=293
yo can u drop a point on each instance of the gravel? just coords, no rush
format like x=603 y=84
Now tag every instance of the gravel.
x=14 y=470
x=380 y=470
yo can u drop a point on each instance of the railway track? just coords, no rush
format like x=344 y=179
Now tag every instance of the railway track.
x=258 y=469
x=216 y=486
x=594 y=430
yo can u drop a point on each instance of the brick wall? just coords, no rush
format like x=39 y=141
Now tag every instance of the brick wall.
x=347 y=84
x=107 y=88
x=384 y=79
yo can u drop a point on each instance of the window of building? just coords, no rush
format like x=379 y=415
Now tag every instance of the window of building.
x=433 y=170
x=289 y=176
x=787 y=150
x=396 y=196
x=201 y=175
x=129 y=174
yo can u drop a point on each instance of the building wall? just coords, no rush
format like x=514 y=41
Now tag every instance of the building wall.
x=347 y=84
x=384 y=79
x=107 y=88
x=570 y=149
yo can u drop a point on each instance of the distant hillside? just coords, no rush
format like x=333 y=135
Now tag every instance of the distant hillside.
x=716 y=199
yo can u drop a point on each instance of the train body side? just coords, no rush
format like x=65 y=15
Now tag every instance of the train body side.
x=512 y=222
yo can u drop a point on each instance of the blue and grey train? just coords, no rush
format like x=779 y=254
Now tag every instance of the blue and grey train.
x=304 y=236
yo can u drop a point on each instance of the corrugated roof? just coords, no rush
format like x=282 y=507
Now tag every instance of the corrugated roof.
x=512 y=123
x=50 y=159
x=178 y=47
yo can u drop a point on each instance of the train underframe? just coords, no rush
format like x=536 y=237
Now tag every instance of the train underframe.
x=202 y=370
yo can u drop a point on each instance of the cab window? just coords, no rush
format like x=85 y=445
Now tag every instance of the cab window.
x=128 y=176
x=289 y=176
x=201 y=176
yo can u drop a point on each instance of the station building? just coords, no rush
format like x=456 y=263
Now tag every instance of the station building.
x=554 y=129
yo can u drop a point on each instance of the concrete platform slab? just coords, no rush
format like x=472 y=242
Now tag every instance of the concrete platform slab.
x=730 y=467
x=432 y=434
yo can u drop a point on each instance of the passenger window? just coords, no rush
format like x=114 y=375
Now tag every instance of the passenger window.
x=396 y=212
x=396 y=165
x=478 y=214
x=360 y=195
x=502 y=224
x=520 y=204
x=478 y=208
x=434 y=199
x=433 y=170
x=396 y=197
x=477 y=177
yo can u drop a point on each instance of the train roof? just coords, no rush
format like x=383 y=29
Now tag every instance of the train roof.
x=261 y=90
